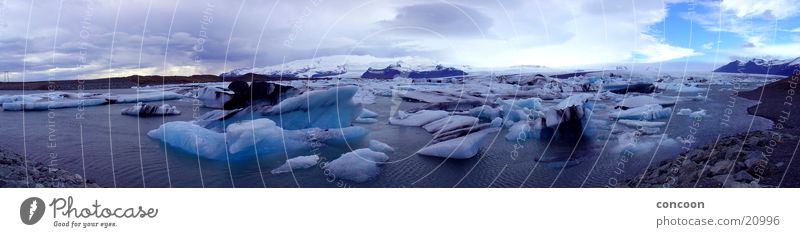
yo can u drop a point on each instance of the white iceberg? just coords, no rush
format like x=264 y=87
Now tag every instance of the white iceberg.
x=459 y=148
x=145 y=97
x=684 y=112
x=55 y=104
x=642 y=100
x=191 y=138
x=639 y=123
x=497 y=122
x=300 y=162
x=379 y=146
x=417 y=119
x=647 y=112
x=449 y=123
x=360 y=165
x=698 y=114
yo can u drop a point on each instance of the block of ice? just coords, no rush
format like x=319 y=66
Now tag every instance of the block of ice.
x=642 y=100
x=360 y=165
x=365 y=120
x=639 y=123
x=150 y=110
x=459 y=148
x=379 y=146
x=698 y=114
x=497 y=122
x=331 y=108
x=485 y=112
x=520 y=131
x=684 y=112
x=647 y=112
x=300 y=162
x=449 y=123
x=214 y=97
x=54 y=104
x=417 y=119
x=145 y=97
x=191 y=138
x=365 y=113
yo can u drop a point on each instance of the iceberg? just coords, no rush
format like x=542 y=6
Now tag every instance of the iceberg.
x=379 y=146
x=55 y=104
x=331 y=108
x=214 y=97
x=698 y=114
x=300 y=162
x=359 y=165
x=450 y=123
x=638 y=123
x=642 y=100
x=647 y=112
x=684 y=112
x=485 y=112
x=150 y=110
x=191 y=138
x=144 y=97
x=459 y=148
x=252 y=138
x=497 y=122
x=365 y=113
x=417 y=119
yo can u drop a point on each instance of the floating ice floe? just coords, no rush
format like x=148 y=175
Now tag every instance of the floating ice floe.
x=331 y=108
x=647 y=112
x=698 y=114
x=418 y=118
x=379 y=146
x=359 y=165
x=459 y=148
x=252 y=138
x=144 y=97
x=56 y=104
x=497 y=122
x=366 y=116
x=450 y=123
x=642 y=100
x=568 y=117
x=684 y=112
x=300 y=162
x=150 y=110
x=214 y=97
x=639 y=123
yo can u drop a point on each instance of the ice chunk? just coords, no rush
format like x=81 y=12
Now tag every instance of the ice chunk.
x=698 y=114
x=300 y=162
x=54 y=104
x=360 y=165
x=417 y=119
x=639 y=123
x=520 y=131
x=485 y=112
x=331 y=108
x=449 y=123
x=150 y=110
x=365 y=113
x=251 y=138
x=642 y=100
x=684 y=112
x=459 y=148
x=647 y=112
x=497 y=122
x=145 y=97
x=379 y=146
x=365 y=120
x=191 y=138
x=214 y=97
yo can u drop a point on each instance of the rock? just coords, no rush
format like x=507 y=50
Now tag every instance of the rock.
x=709 y=183
x=721 y=167
x=5 y=172
x=743 y=176
x=752 y=159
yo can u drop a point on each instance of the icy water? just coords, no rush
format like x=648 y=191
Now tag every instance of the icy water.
x=114 y=150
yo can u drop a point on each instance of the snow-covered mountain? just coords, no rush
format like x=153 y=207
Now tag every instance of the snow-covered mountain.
x=401 y=69
x=332 y=66
x=762 y=66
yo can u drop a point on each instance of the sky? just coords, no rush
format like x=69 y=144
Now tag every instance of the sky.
x=56 y=40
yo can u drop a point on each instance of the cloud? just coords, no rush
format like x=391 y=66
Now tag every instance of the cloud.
x=441 y=18
x=778 y=9
x=708 y=46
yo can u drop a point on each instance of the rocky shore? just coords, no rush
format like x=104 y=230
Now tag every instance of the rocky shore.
x=754 y=159
x=740 y=161
x=13 y=174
